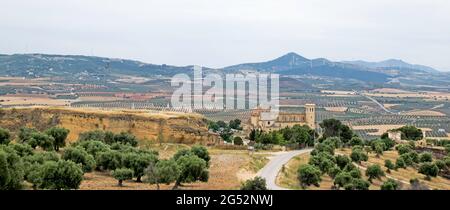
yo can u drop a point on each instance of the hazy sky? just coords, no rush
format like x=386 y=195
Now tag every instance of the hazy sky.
x=218 y=33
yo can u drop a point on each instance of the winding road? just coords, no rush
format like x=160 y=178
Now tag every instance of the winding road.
x=271 y=170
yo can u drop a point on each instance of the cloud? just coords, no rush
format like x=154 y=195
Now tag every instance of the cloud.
x=218 y=33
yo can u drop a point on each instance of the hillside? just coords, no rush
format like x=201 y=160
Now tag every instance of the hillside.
x=178 y=128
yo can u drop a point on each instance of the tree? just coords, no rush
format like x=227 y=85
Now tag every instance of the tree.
x=93 y=147
x=80 y=156
x=213 y=126
x=258 y=183
x=345 y=134
x=109 y=160
x=254 y=134
x=429 y=170
x=404 y=148
x=389 y=165
x=358 y=155
x=390 y=184
x=192 y=169
x=122 y=174
x=400 y=163
x=334 y=171
x=226 y=134
x=126 y=138
x=342 y=179
x=60 y=175
x=238 y=141
x=342 y=161
x=11 y=170
x=356 y=141
x=164 y=171
x=138 y=163
x=22 y=150
x=5 y=136
x=25 y=134
x=360 y=184
x=59 y=135
x=201 y=152
x=331 y=127
x=42 y=140
x=374 y=171
x=378 y=147
x=425 y=157
x=411 y=133
x=308 y=175
x=235 y=124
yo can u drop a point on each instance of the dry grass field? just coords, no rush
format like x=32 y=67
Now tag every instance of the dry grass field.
x=336 y=109
x=381 y=128
x=424 y=113
x=288 y=177
x=32 y=100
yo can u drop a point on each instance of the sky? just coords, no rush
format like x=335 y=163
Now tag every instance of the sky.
x=218 y=33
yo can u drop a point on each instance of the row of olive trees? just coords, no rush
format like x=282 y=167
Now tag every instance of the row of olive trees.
x=30 y=160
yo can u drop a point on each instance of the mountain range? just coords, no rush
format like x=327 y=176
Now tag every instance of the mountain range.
x=72 y=66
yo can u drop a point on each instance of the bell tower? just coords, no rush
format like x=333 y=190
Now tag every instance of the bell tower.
x=310 y=115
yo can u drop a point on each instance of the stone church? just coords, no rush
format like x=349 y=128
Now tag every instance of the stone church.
x=284 y=119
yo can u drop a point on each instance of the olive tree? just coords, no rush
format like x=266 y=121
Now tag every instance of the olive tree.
x=80 y=156
x=138 y=163
x=192 y=169
x=390 y=184
x=429 y=170
x=164 y=171
x=374 y=171
x=122 y=174
x=63 y=174
x=308 y=175
x=5 y=136
x=258 y=183
x=59 y=135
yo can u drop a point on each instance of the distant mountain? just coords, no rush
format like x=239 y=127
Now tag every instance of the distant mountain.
x=86 y=68
x=41 y=65
x=393 y=64
x=294 y=64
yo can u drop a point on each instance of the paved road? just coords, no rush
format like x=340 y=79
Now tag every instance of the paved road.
x=270 y=171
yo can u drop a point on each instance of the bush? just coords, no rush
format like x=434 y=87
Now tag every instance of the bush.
x=238 y=141
x=42 y=140
x=122 y=174
x=308 y=175
x=80 y=156
x=257 y=183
